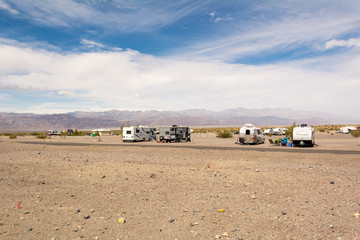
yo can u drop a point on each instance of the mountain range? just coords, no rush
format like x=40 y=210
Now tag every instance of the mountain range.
x=114 y=119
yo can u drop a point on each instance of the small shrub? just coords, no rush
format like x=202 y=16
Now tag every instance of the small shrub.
x=225 y=134
x=13 y=136
x=355 y=133
x=34 y=134
x=41 y=136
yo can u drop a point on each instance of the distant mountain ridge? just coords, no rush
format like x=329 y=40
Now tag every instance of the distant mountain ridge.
x=114 y=119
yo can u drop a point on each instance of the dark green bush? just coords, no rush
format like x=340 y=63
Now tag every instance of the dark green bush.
x=13 y=136
x=355 y=133
x=225 y=134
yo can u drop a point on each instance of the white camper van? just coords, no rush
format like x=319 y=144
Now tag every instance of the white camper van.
x=303 y=136
x=250 y=134
x=138 y=134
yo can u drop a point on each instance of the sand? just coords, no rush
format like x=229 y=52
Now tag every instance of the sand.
x=87 y=189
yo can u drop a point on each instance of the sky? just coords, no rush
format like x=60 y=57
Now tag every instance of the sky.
x=60 y=56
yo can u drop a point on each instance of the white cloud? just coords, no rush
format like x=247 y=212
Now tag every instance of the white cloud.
x=7 y=7
x=285 y=26
x=126 y=16
x=91 y=44
x=131 y=80
x=352 y=42
x=67 y=93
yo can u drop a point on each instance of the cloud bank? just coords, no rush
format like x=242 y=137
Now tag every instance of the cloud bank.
x=131 y=80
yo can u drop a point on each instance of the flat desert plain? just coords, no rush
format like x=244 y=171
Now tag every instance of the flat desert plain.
x=82 y=188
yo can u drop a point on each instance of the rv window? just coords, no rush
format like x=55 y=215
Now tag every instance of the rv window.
x=147 y=132
x=258 y=131
x=247 y=132
x=128 y=132
x=172 y=129
x=137 y=130
x=167 y=133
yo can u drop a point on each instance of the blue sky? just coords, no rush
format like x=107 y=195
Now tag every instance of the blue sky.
x=95 y=55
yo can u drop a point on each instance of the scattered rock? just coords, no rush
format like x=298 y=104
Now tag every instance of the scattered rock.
x=253 y=197
x=103 y=176
x=171 y=220
x=332 y=182
x=152 y=175
x=225 y=234
x=30 y=229
x=283 y=213
x=75 y=230
x=77 y=210
x=86 y=216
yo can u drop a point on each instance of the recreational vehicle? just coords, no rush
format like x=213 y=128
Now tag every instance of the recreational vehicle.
x=138 y=134
x=174 y=134
x=250 y=134
x=347 y=129
x=303 y=136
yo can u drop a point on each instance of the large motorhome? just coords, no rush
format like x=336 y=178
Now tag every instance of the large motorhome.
x=174 y=134
x=250 y=134
x=303 y=136
x=138 y=134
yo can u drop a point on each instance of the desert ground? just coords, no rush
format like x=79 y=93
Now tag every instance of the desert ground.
x=211 y=188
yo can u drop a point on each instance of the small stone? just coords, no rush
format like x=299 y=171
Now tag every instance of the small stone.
x=43 y=182
x=217 y=237
x=332 y=182
x=75 y=230
x=96 y=238
x=26 y=212
x=103 y=176
x=30 y=229
x=86 y=216
x=257 y=170
x=225 y=234
x=171 y=220
x=152 y=175
x=253 y=197
x=77 y=210
x=56 y=228
x=283 y=213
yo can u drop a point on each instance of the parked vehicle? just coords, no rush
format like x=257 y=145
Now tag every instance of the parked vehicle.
x=303 y=136
x=138 y=134
x=174 y=134
x=250 y=134
x=53 y=132
x=347 y=129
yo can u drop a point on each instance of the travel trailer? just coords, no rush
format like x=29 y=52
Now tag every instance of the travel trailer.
x=303 y=136
x=174 y=134
x=347 y=129
x=138 y=134
x=250 y=134
x=279 y=131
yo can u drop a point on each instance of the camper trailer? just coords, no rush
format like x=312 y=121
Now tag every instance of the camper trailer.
x=303 y=136
x=138 y=134
x=250 y=134
x=347 y=129
x=174 y=134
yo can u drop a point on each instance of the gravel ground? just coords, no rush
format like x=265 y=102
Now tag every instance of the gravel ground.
x=126 y=192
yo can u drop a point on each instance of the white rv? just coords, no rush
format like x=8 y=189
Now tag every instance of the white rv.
x=138 y=134
x=303 y=136
x=347 y=129
x=250 y=134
